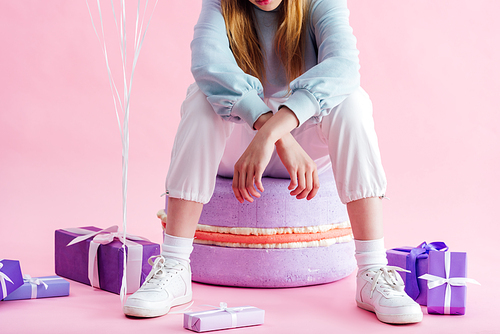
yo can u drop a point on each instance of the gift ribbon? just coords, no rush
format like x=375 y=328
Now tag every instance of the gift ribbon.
x=222 y=308
x=3 y=278
x=419 y=252
x=124 y=101
x=104 y=237
x=434 y=281
x=232 y=311
x=35 y=282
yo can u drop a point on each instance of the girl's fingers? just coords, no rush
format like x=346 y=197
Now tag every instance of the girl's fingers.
x=293 y=180
x=236 y=189
x=308 y=186
x=315 y=188
x=301 y=178
x=258 y=181
x=249 y=185
x=242 y=187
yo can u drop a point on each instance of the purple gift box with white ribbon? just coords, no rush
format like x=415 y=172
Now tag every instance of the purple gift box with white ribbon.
x=436 y=278
x=94 y=256
x=11 y=277
x=416 y=261
x=40 y=287
x=223 y=318
x=447 y=279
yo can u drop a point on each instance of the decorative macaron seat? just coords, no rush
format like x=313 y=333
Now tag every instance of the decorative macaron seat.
x=275 y=242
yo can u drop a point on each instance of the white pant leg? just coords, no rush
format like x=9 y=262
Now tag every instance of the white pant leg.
x=353 y=147
x=237 y=143
x=197 y=150
x=206 y=145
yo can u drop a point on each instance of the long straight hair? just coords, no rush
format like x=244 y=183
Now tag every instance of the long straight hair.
x=289 y=41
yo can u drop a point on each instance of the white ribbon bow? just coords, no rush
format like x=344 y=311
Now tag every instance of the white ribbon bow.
x=35 y=282
x=3 y=278
x=132 y=275
x=435 y=281
x=87 y=234
x=232 y=311
x=222 y=308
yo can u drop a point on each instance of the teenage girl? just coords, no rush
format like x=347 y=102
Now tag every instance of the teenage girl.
x=277 y=93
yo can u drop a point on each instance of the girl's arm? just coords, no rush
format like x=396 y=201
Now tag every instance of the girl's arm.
x=233 y=94
x=314 y=94
x=336 y=74
x=248 y=170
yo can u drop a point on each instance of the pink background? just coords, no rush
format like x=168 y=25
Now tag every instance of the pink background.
x=431 y=68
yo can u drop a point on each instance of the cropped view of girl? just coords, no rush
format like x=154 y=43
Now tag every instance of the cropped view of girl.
x=277 y=94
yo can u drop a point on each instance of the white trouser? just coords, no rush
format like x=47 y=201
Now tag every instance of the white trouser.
x=205 y=145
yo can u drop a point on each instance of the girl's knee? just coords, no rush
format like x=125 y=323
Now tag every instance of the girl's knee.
x=357 y=107
x=353 y=116
x=354 y=112
x=196 y=107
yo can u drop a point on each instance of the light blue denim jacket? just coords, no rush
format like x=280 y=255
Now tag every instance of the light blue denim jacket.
x=331 y=64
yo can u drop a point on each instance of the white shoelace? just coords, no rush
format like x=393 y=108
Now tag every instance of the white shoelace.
x=161 y=267
x=391 y=282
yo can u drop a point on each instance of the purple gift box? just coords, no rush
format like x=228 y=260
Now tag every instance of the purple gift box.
x=400 y=258
x=41 y=287
x=94 y=256
x=223 y=318
x=414 y=259
x=11 y=277
x=447 y=279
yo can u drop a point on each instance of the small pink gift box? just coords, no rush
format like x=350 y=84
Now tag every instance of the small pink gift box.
x=223 y=318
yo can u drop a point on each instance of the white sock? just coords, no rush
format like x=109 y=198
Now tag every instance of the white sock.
x=370 y=254
x=177 y=248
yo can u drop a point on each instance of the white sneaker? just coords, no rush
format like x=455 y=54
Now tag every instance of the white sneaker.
x=167 y=285
x=381 y=290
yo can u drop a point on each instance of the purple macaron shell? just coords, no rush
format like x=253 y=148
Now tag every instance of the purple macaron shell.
x=275 y=207
x=272 y=268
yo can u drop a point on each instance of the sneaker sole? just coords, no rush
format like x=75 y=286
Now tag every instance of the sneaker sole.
x=140 y=312
x=410 y=318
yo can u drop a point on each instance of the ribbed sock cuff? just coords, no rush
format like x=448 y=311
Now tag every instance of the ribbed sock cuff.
x=369 y=245
x=370 y=254
x=177 y=248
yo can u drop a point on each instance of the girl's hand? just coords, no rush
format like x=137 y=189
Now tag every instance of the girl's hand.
x=302 y=169
x=249 y=168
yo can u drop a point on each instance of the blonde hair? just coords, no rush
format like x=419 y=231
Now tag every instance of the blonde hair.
x=289 y=41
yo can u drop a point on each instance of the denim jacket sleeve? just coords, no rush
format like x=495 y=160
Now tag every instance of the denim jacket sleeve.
x=336 y=74
x=233 y=94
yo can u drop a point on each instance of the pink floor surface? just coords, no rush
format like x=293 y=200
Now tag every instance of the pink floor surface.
x=27 y=234
x=328 y=308
x=430 y=67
